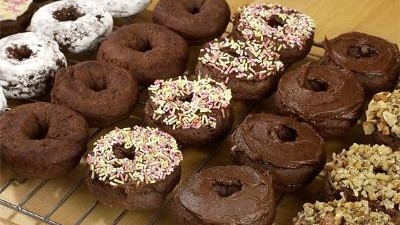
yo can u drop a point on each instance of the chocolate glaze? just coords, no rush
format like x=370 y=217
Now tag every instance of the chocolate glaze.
x=375 y=61
x=228 y=195
x=329 y=98
x=292 y=151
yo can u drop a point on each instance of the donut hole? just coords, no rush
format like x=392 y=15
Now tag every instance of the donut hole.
x=69 y=13
x=379 y=170
x=286 y=134
x=316 y=85
x=121 y=152
x=139 y=44
x=19 y=53
x=186 y=98
x=146 y=46
x=41 y=132
x=226 y=188
x=195 y=7
x=275 y=21
x=362 y=51
x=98 y=86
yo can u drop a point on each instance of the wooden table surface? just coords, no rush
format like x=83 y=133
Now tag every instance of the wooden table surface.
x=376 y=17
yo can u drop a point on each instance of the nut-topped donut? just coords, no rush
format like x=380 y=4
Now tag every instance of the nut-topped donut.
x=291 y=151
x=198 y=21
x=78 y=26
x=383 y=116
x=289 y=31
x=149 y=51
x=365 y=172
x=102 y=93
x=195 y=112
x=134 y=168
x=341 y=212
x=328 y=98
x=227 y=195
x=28 y=62
x=374 y=61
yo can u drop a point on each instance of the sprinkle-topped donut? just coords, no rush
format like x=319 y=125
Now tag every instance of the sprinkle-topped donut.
x=250 y=69
x=194 y=105
x=12 y=9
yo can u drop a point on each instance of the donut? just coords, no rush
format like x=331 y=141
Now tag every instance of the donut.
x=328 y=98
x=196 y=112
x=15 y=16
x=123 y=8
x=250 y=70
x=382 y=119
x=374 y=61
x=28 y=62
x=78 y=26
x=134 y=168
x=3 y=101
x=226 y=195
x=148 y=50
x=365 y=172
x=289 y=31
x=291 y=151
x=341 y=212
x=42 y=140
x=102 y=93
x=198 y=21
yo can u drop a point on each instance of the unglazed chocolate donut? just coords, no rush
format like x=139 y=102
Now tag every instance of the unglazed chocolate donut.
x=134 y=168
x=42 y=140
x=149 y=51
x=250 y=70
x=102 y=93
x=289 y=31
x=374 y=61
x=195 y=112
x=328 y=98
x=291 y=151
x=198 y=21
x=227 y=195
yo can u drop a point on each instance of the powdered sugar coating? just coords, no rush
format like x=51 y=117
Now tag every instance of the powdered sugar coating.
x=123 y=8
x=3 y=101
x=12 y=9
x=74 y=36
x=29 y=77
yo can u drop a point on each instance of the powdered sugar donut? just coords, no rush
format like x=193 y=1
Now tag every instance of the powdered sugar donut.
x=123 y=8
x=3 y=101
x=77 y=25
x=27 y=62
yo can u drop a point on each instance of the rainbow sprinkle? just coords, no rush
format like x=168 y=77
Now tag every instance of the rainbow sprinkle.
x=12 y=9
x=297 y=27
x=244 y=60
x=156 y=155
x=186 y=104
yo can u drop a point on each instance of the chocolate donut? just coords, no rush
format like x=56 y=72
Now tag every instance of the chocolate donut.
x=148 y=50
x=123 y=8
x=291 y=151
x=42 y=140
x=195 y=112
x=365 y=172
x=134 y=168
x=328 y=98
x=198 y=21
x=102 y=93
x=250 y=70
x=78 y=26
x=374 y=61
x=227 y=195
x=3 y=101
x=28 y=62
x=288 y=31
x=343 y=213
x=382 y=120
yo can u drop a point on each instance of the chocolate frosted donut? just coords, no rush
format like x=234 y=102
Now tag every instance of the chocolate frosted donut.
x=195 y=112
x=288 y=31
x=365 y=172
x=227 y=195
x=42 y=140
x=374 y=61
x=102 y=93
x=134 y=168
x=198 y=21
x=328 y=98
x=343 y=213
x=250 y=70
x=291 y=151
x=148 y=50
